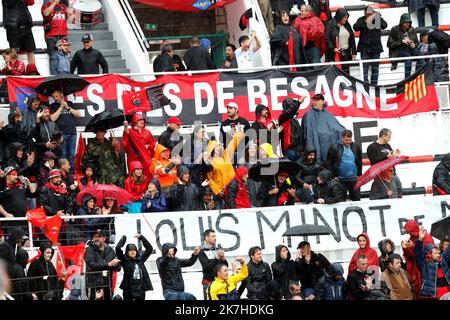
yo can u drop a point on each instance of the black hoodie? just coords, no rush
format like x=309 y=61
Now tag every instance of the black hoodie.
x=96 y=262
x=441 y=176
x=20 y=164
x=308 y=171
x=331 y=190
x=20 y=285
x=283 y=271
x=384 y=264
x=185 y=197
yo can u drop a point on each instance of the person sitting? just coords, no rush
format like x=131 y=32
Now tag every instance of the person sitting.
x=327 y=190
x=224 y=286
x=387 y=248
x=136 y=183
x=153 y=199
x=360 y=283
x=332 y=286
x=13 y=66
x=307 y=176
x=207 y=199
x=185 y=194
x=280 y=194
x=164 y=169
x=54 y=197
x=396 y=280
x=48 y=163
x=385 y=186
x=441 y=177
x=236 y=192
x=89 y=179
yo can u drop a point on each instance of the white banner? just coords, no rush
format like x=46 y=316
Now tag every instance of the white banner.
x=238 y=230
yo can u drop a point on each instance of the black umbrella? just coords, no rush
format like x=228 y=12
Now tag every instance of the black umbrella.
x=307 y=230
x=109 y=119
x=66 y=83
x=441 y=229
x=267 y=170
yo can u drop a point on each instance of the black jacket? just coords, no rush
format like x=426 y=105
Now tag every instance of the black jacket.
x=332 y=32
x=354 y=281
x=310 y=273
x=334 y=157
x=308 y=171
x=209 y=261
x=441 y=176
x=395 y=40
x=258 y=276
x=128 y=265
x=185 y=197
x=20 y=285
x=369 y=39
x=288 y=119
x=14 y=200
x=384 y=264
x=279 y=48
x=96 y=262
x=54 y=202
x=88 y=62
x=169 y=140
x=197 y=58
x=163 y=63
x=272 y=200
x=315 y=4
x=170 y=268
x=331 y=190
x=441 y=39
x=283 y=271
x=15 y=14
x=20 y=164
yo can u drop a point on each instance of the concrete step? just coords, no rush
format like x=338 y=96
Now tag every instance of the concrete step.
x=99 y=45
x=112 y=53
x=116 y=63
x=102 y=25
x=119 y=70
x=97 y=34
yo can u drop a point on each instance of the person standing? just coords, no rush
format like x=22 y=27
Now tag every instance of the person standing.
x=386 y=186
x=283 y=269
x=224 y=287
x=171 y=137
x=230 y=57
x=55 y=28
x=185 y=195
x=321 y=9
x=62 y=61
x=88 y=60
x=136 y=183
x=345 y=160
x=54 y=196
x=291 y=132
x=244 y=54
x=164 y=61
x=419 y=6
x=210 y=257
x=369 y=45
x=263 y=126
x=228 y=126
x=197 y=58
x=381 y=149
x=236 y=192
x=441 y=177
x=259 y=276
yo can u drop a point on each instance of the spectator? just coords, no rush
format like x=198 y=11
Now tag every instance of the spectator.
x=45 y=133
x=360 y=283
x=185 y=194
x=328 y=190
x=386 y=186
x=439 y=67
x=89 y=179
x=228 y=126
x=387 y=248
x=321 y=9
x=171 y=138
x=12 y=66
x=265 y=152
x=88 y=208
x=259 y=276
x=332 y=286
x=434 y=267
x=64 y=114
x=365 y=250
x=283 y=53
x=164 y=61
x=307 y=176
x=441 y=177
x=283 y=269
x=396 y=279
x=403 y=42
x=24 y=165
x=252 y=185
x=230 y=57
x=264 y=126
x=20 y=283
x=136 y=183
x=312 y=34
x=222 y=165
x=244 y=54
x=197 y=58
x=164 y=169
x=381 y=149
x=295 y=291
x=169 y=268
x=28 y=123
x=54 y=197
x=101 y=261
x=88 y=60
x=419 y=6
x=290 y=129
x=153 y=199
x=18 y=22
x=55 y=17
x=320 y=128
x=310 y=267
x=205 y=44
x=48 y=163
x=104 y=156
x=443 y=245
x=412 y=228
x=283 y=5
x=193 y=158
x=211 y=257
x=369 y=45
x=67 y=179
x=266 y=10
x=340 y=39
x=440 y=38
x=280 y=194
x=62 y=61
x=345 y=160
x=176 y=60
x=207 y=200
x=236 y=192
x=136 y=280
x=43 y=276
x=224 y=286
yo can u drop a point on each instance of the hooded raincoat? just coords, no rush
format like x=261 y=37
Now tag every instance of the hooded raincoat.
x=158 y=202
x=236 y=192
x=162 y=169
x=283 y=271
x=137 y=190
x=371 y=254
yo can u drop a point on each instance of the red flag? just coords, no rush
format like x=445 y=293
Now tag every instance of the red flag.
x=72 y=259
x=135 y=102
x=37 y=217
x=291 y=50
x=51 y=228
x=78 y=161
x=35 y=257
x=337 y=56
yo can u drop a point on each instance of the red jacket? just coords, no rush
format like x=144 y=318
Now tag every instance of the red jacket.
x=17 y=69
x=236 y=192
x=414 y=273
x=137 y=190
x=371 y=254
x=55 y=24
x=312 y=29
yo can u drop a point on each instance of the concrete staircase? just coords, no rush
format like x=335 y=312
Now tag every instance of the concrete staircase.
x=104 y=42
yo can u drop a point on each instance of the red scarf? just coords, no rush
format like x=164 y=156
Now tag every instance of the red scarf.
x=59 y=189
x=14 y=186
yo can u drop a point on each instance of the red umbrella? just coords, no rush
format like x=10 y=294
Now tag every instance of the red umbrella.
x=376 y=169
x=102 y=191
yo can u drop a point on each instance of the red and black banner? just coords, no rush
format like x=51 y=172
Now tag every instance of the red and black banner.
x=204 y=97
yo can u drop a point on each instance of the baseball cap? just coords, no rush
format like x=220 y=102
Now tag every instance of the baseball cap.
x=10 y=170
x=174 y=120
x=318 y=96
x=62 y=42
x=233 y=105
x=54 y=173
x=285 y=174
x=87 y=37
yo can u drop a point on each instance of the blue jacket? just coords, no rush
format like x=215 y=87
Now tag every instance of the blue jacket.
x=331 y=288
x=62 y=63
x=158 y=203
x=429 y=268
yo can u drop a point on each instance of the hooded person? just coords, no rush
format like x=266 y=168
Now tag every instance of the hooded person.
x=136 y=280
x=412 y=228
x=236 y=193
x=266 y=152
x=136 y=182
x=387 y=247
x=169 y=269
x=18 y=158
x=307 y=176
x=328 y=190
x=185 y=195
x=138 y=143
x=42 y=274
x=164 y=169
x=48 y=159
x=28 y=123
x=277 y=192
x=441 y=177
x=263 y=125
x=283 y=269
x=89 y=178
x=364 y=249
x=20 y=284
x=88 y=208
x=153 y=199
x=291 y=134
x=332 y=286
